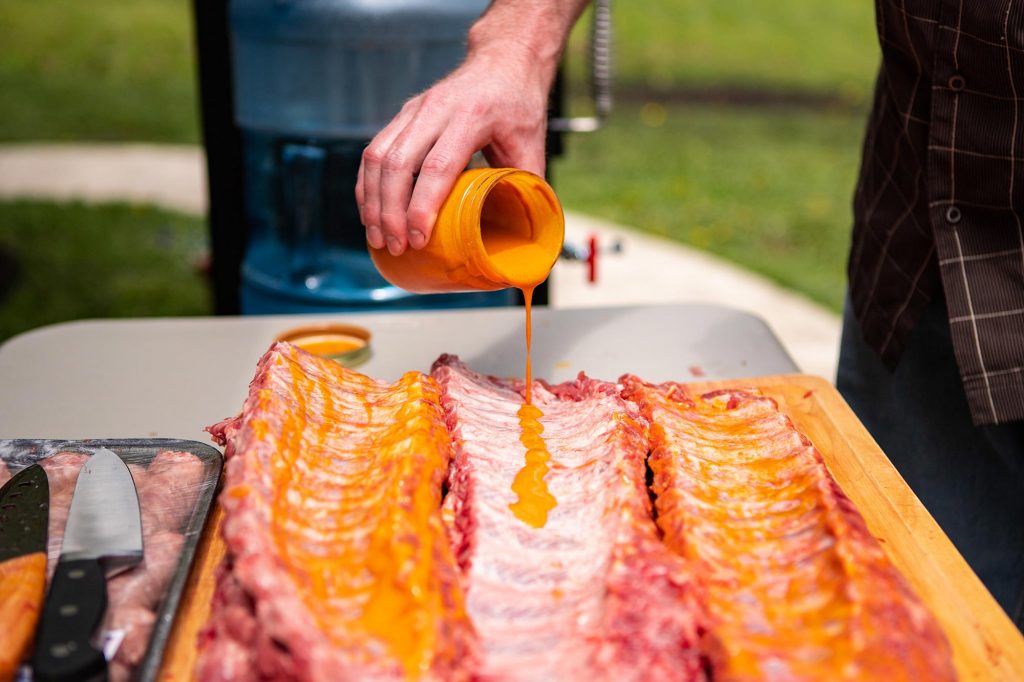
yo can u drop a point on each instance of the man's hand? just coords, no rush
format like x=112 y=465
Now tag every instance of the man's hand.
x=496 y=101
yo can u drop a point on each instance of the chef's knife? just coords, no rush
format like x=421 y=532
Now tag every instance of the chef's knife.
x=103 y=536
x=24 y=515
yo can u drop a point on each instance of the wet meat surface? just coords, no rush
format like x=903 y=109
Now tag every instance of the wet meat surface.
x=794 y=585
x=592 y=594
x=338 y=564
x=437 y=528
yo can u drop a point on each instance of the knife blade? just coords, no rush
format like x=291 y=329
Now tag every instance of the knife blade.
x=103 y=536
x=24 y=516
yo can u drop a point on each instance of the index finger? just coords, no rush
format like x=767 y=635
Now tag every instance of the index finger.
x=441 y=167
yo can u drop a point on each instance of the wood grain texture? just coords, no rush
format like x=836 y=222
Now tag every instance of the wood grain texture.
x=181 y=653
x=986 y=645
x=22 y=588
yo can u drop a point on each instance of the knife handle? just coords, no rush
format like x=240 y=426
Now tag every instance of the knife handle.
x=22 y=588
x=74 y=607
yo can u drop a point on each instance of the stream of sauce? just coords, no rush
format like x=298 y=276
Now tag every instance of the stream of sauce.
x=535 y=500
x=530 y=264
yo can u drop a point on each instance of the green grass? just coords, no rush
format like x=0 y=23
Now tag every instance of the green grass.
x=97 y=70
x=803 y=45
x=77 y=261
x=123 y=69
x=768 y=189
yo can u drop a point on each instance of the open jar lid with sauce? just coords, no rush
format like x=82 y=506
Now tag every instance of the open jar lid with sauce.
x=346 y=344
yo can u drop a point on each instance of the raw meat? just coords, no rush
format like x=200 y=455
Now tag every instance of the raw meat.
x=795 y=586
x=235 y=646
x=171 y=486
x=592 y=594
x=338 y=564
x=145 y=585
x=134 y=597
x=136 y=623
x=62 y=472
x=168 y=488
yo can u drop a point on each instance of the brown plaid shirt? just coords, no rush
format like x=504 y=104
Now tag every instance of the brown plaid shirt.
x=940 y=201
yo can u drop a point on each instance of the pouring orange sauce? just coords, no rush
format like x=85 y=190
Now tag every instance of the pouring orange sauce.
x=498 y=228
x=526 y=265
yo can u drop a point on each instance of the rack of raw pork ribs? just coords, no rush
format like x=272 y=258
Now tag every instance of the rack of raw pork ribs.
x=371 y=534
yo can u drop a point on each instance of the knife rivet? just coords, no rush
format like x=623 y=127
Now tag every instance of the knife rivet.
x=76 y=573
x=62 y=650
x=68 y=610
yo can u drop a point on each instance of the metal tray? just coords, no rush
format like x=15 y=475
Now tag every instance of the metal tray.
x=18 y=454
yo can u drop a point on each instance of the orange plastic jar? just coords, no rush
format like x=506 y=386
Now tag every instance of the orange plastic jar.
x=498 y=228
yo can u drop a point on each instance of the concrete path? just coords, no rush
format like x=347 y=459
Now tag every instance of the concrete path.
x=170 y=176
x=648 y=270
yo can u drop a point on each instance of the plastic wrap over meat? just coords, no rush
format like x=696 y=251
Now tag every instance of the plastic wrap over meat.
x=592 y=594
x=795 y=586
x=338 y=566
x=167 y=487
x=62 y=473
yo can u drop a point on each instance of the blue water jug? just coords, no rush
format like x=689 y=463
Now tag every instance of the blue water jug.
x=314 y=82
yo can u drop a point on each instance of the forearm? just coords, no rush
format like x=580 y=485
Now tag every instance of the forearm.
x=495 y=102
x=531 y=32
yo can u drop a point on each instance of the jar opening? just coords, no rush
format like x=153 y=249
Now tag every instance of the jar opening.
x=521 y=234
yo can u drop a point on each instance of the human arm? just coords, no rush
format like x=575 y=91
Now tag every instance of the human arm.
x=495 y=101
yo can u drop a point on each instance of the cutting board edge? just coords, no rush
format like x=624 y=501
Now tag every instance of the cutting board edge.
x=986 y=645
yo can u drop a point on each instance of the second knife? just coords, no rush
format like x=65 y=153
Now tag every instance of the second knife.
x=103 y=536
x=24 y=514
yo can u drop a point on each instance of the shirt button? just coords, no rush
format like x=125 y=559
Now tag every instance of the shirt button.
x=956 y=82
x=953 y=215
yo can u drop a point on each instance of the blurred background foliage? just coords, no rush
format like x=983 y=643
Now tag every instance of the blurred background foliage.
x=98 y=70
x=790 y=46
x=736 y=130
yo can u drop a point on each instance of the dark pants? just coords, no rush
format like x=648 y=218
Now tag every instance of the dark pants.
x=970 y=478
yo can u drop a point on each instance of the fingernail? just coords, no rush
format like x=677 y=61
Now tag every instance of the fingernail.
x=417 y=239
x=374 y=236
x=394 y=246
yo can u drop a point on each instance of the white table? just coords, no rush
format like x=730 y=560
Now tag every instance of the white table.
x=171 y=377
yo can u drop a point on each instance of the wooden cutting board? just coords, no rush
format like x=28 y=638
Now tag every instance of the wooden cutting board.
x=986 y=645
